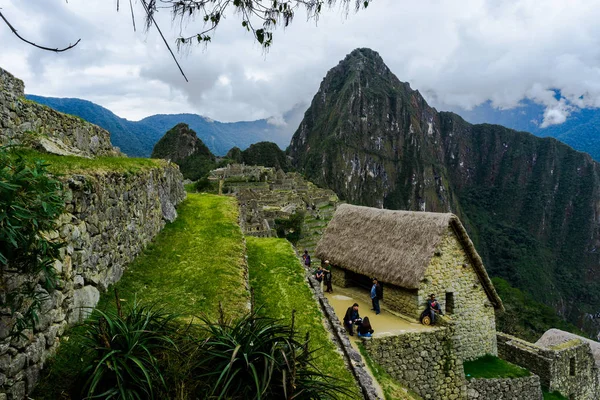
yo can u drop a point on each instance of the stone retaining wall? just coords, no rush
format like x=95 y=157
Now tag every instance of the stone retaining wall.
x=526 y=388
x=109 y=219
x=26 y=122
x=426 y=362
x=569 y=368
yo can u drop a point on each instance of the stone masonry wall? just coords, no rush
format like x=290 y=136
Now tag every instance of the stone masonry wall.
x=402 y=300
x=425 y=362
x=472 y=314
x=109 y=219
x=569 y=368
x=26 y=122
x=526 y=388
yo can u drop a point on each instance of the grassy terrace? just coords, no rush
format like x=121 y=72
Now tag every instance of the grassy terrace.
x=72 y=164
x=489 y=367
x=279 y=287
x=194 y=263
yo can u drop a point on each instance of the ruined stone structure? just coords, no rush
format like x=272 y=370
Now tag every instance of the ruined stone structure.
x=28 y=123
x=415 y=254
x=266 y=195
x=567 y=365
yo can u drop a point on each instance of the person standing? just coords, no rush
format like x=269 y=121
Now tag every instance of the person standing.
x=376 y=295
x=327 y=277
x=307 y=260
x=351 y=318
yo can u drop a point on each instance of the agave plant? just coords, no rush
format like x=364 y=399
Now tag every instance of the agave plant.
x=260 y=358
x=127 y=352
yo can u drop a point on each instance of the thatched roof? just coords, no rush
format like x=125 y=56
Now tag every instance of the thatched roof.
x=394 y=246
x=554 y=337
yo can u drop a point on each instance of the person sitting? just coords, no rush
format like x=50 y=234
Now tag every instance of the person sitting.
x=351 y=318
x=433 y=307
x=365 y=330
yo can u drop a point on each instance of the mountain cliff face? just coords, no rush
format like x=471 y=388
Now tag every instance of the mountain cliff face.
x=181 y=145
x=531 y=205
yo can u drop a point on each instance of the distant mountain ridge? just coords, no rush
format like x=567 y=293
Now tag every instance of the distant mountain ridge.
x=137 y=138
x=581 y=130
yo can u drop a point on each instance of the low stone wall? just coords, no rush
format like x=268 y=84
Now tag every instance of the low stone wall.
x=526 y=388
x=426 y=362
x=109 y=219
x=26 y=122
x=569 y=368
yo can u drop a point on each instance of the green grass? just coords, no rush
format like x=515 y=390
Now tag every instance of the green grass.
x=279 y=287
x=73 y=164
x=392 y=390
x=489 y=367
x=194 y=263
x=553 y=396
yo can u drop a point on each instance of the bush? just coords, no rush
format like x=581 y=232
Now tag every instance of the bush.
x=126 y=353
x=30 y=203
x=144 y=355
x=260 y=358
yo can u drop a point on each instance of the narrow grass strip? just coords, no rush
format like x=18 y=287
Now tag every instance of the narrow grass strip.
x=280 y=287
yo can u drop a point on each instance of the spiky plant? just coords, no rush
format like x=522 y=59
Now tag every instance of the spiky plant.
x=128 y=350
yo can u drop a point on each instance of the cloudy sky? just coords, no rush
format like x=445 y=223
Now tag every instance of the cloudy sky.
x=456 y=52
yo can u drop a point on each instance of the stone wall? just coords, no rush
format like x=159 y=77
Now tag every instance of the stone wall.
x=450 y=273
x=402 y=300
x=568 y=368
x=109 y=219
x=526 y=388
x=338 y=276
x=426 y=362
x=26 y=122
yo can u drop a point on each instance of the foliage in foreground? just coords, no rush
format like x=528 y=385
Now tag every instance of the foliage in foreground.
x=490 y=367
x=553 y=396
x=147 y=355
x=30 y=202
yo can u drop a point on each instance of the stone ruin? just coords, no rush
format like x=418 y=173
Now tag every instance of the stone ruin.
x=266 y=194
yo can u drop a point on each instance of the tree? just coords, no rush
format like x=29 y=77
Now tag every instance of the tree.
x=260 y=17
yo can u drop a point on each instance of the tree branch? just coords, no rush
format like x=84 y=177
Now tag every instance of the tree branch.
x=56 y=50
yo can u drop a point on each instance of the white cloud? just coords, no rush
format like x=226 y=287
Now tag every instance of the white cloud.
x=456 y=53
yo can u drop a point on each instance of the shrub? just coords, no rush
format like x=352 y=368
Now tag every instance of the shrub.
x=127 y=352
x=260 y=358
x=30 y=202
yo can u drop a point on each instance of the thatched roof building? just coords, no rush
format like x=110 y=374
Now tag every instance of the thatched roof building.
x=394 y=246
x=554 y=337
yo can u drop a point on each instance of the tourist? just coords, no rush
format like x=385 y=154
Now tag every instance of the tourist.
x=365 y=330
x=304 y=256
x=376 y=295
x=351 y=318
x=319 y=273
x=328 y=277
x=433 y=306
x=307 y=260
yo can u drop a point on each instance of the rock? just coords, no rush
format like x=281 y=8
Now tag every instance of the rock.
x=84 y=300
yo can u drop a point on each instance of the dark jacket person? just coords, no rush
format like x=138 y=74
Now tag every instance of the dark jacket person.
x=350 y=318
